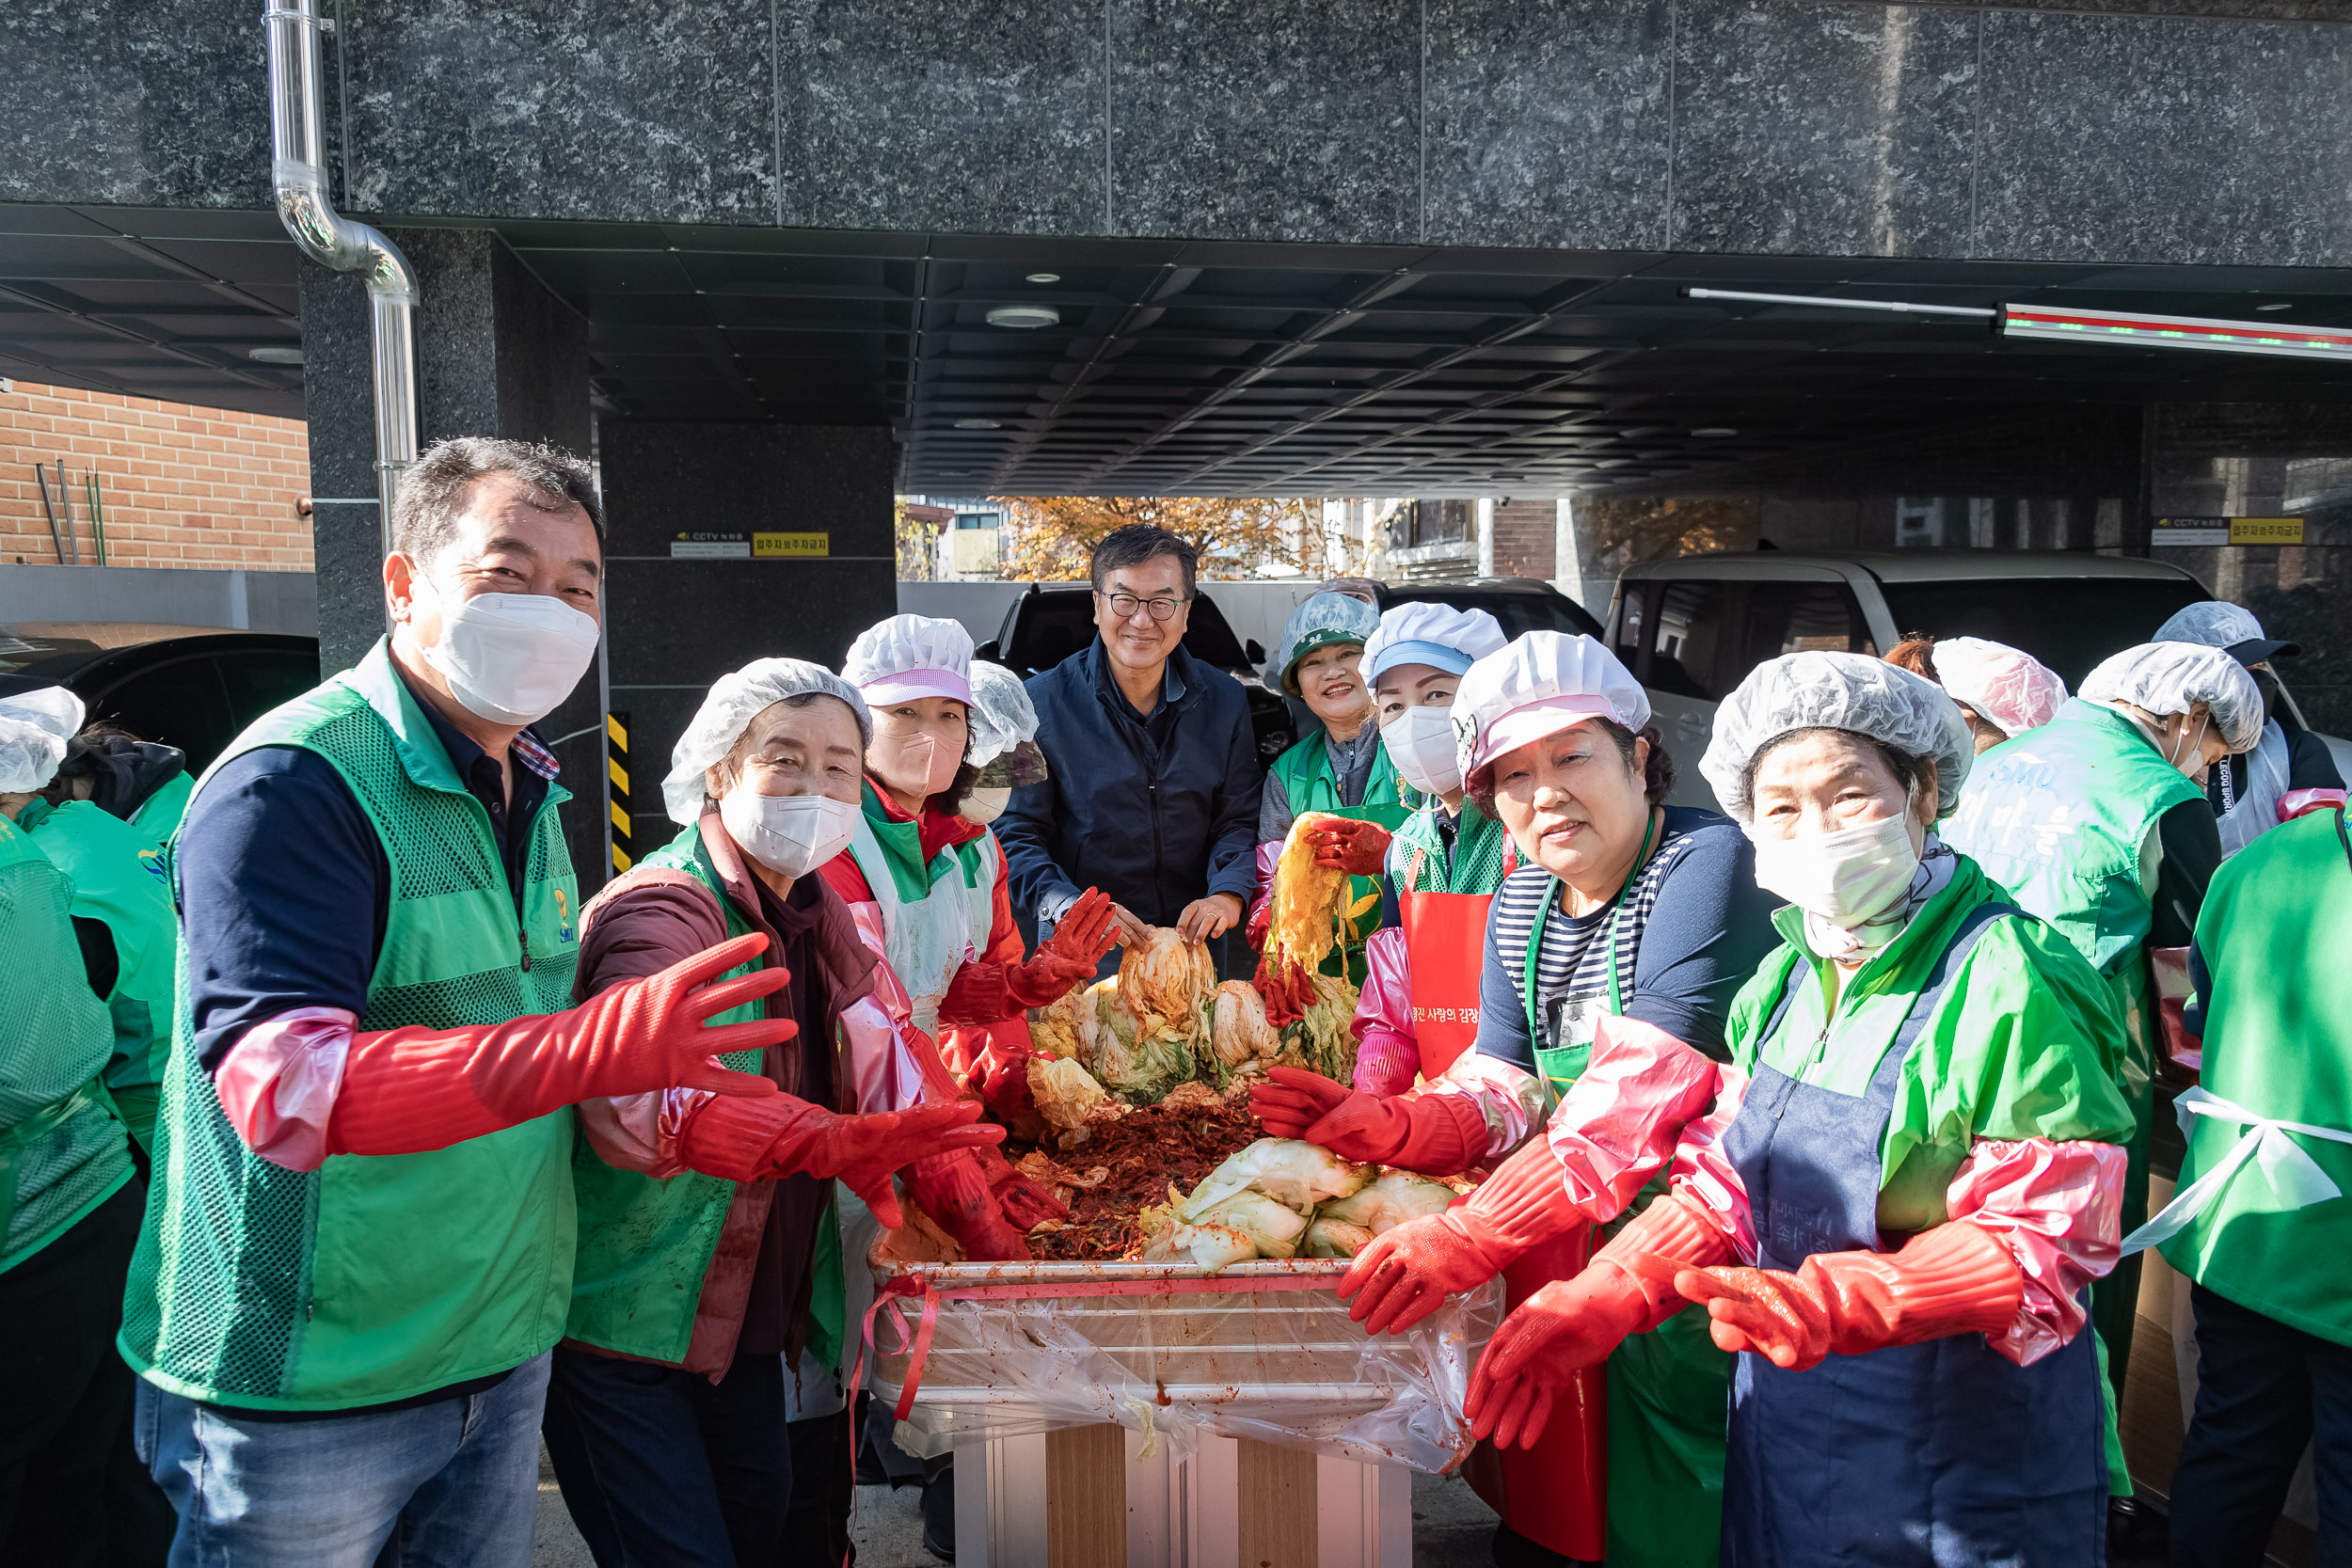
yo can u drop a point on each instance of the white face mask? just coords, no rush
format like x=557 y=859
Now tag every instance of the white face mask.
x=512 y=657
x=1420 y=747
x=2192 y=762
x=1845 y=876
x=985 y=805
x=790 y=834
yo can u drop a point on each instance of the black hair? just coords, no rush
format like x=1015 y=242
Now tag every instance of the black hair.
x=433 y=492
x=1134 y=544
x=1657 y=770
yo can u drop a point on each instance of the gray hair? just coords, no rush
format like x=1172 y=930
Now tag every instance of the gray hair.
x=432 y=491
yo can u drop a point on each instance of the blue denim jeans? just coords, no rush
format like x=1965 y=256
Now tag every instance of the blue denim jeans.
x=454 y=1484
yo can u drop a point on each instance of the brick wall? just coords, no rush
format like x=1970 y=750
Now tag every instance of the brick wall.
x=1526 y=538
x=180 y=486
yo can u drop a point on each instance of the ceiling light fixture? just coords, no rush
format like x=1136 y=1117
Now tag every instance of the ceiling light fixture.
x=2282 y=305
x=274 y=355
x=977 y=424
x=1026 y=317
x=1713 y=432
x=1046 y=278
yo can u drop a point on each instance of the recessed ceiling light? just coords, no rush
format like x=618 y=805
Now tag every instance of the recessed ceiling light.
x=1505 y=478
x=1713 y=432
x=274 y=355
x=975 y=424
x=1046 y=278
x=2282 y=305
x=1024 y=316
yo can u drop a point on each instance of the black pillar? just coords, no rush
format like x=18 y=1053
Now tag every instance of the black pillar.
x=497 y=355
x=681 y=617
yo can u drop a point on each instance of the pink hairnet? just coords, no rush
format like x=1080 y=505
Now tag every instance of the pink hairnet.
x=2013 y=690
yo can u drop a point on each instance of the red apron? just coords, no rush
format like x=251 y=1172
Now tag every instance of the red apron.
x=1555 y=1494
x=1443 y=933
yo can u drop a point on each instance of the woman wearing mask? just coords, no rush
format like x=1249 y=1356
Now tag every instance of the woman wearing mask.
x=1418 y=1008
x=1342 y=770
x=2000 y=692
x=1916 y=1148
x=702 y=1217
x=2097 y=822
x=928 y=888
x=1622 y=937
x=2246 y=790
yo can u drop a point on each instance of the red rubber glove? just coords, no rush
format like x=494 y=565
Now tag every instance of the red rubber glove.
x=1025 y=1204
x=405 y=1091
x=1436 y=1135
x=1952 y=1280
x=2302 y=802
x=983 y=993
x=1285 y=989
x=1571 y=1324
x=954 y=1190
x=755 y=1140
x=1408 y=1272
x=1358 y=849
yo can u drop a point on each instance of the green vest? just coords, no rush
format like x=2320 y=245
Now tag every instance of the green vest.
x=1308 y=783
x=2277 y=1042
x=374 y=1277
x=646 y=1242
x=158 y=816
x=1482 y=854
x=119 y=881
x=61 y=1150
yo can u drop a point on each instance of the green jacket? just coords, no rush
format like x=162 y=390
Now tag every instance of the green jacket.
x=1482 y=854
x=2276 y=938
x=374 y=1278
x=2024 y=1044
x=119 y=881
x=63 y=1152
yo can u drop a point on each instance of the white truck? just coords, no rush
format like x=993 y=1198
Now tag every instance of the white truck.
x=1693 y=627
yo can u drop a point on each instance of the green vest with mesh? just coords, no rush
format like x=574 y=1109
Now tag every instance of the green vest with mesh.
x=119 y=881
x=644 y=1243
x=1309 y=784
x=374 y=1278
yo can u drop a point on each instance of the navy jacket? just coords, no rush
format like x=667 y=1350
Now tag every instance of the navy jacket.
x=1156 y=812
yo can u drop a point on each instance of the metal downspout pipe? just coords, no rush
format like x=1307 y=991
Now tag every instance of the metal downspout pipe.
x=298 y=172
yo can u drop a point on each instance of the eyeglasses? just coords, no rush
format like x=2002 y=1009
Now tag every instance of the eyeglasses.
x=1124 y=605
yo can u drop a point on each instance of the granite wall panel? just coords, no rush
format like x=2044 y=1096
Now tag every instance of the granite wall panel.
x=1548 y=122
x=1834 y=129
x=616 y=109
x=2130 y=140
x=1267 y=120
x=134 y=102
x=907 y=114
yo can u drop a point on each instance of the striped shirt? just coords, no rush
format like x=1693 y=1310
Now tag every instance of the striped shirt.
x=1688 y=933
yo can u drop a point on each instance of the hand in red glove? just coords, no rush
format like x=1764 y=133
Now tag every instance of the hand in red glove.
x=1070 y=956
x=1437 y=1135
x=1408 y=1272
x=409 y=1091
x=1359 y=848
x=752 y=1140
x=954 y=1190
x=1571 y=1324
x=1285 y=989
x=1025 y=1203
x=1952 y=1280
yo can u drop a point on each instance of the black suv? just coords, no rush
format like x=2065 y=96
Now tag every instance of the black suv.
x=197 y=692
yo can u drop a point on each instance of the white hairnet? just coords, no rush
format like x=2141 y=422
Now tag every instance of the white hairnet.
x=2013 y=690
x=729 y=707
x=1836 y=691
x=34 y=727
x=912 y=656
x=2164 y=678
x=2216 y=623
x=1318 y=620
x=1002 y=714
x=1540 y=685
x=1436 y=635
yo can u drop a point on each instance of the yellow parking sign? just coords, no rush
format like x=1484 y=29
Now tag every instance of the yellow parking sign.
x=2266 y=530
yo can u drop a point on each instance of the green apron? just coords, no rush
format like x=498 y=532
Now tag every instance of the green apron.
x=646 y=1243
x=119 y=881
x=1308 y=783
x=374 y=1278
x=1669 y=1388
x=2058 y=818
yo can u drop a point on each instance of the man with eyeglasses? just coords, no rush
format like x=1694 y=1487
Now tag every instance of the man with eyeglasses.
x=1152 y=782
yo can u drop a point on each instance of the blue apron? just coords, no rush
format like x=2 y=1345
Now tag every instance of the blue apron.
x=1943 y=1455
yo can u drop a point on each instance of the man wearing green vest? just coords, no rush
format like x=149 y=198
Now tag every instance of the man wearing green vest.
x=707 y=1224
x=2259 y=1221
x=2097 y=823
x=69 y=1199
x=123 y=916
x=359 y=1251
x=1342 y=770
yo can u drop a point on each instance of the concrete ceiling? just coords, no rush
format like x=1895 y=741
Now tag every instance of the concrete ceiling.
x=1224 y=368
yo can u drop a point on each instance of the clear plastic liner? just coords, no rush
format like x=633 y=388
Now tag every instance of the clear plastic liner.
x=1162 y=1350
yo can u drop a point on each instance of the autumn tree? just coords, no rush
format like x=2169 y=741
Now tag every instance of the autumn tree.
x=917 y=528
x=1049 y=538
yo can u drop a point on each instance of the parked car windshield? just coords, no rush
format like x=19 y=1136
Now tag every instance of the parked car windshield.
x=2069 y=623
x=1516 y=612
